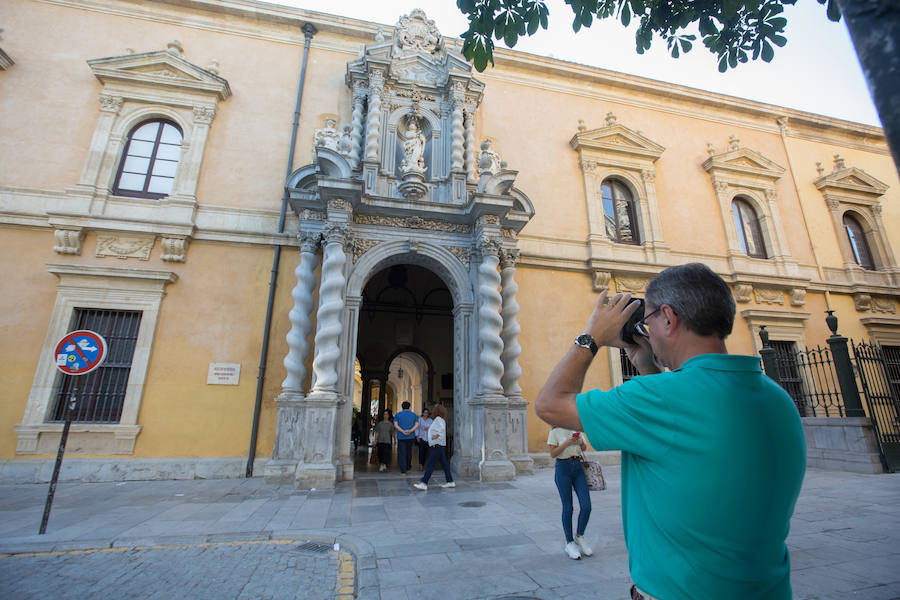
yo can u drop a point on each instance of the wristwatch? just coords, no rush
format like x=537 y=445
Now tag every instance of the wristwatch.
x=586 y=341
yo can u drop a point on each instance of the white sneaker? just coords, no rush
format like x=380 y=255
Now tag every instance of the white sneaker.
x=572 y=551
x=449 y=484
x=420 y=486
x=382 y=468
x=583 y=546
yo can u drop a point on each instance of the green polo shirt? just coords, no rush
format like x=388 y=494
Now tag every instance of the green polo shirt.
x=713 y=457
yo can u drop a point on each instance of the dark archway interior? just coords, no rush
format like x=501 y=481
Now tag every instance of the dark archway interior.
x=404 y=348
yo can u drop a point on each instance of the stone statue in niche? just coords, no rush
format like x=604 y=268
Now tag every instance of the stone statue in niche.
x=329 y=137
x=413 y=149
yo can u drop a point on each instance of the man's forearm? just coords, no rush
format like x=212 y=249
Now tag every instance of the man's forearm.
x=555 y=403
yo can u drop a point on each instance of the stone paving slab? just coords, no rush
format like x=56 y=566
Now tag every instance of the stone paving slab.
x=476 y=541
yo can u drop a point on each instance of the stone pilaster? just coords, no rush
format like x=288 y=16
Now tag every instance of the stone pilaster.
x=470 y=142
x=456 y=129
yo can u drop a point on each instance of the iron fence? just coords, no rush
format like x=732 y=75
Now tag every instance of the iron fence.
x=809 y=377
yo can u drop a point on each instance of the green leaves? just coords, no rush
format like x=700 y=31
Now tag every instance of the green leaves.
x=736 y=31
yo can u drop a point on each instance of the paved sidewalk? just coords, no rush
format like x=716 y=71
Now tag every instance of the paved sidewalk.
x=243 y=538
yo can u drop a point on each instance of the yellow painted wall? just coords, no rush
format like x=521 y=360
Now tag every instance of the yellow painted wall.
x=26 y=284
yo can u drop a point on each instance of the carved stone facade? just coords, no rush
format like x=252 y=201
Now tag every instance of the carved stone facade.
x=410 y=201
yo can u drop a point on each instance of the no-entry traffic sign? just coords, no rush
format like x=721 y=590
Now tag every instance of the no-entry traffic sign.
x=80 y=352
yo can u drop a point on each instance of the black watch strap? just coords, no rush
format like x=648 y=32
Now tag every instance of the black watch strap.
x=586 y=341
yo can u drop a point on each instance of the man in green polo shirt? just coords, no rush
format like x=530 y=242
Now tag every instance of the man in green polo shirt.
x=713 y=453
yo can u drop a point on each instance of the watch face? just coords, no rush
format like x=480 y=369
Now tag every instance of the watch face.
x=584 y=340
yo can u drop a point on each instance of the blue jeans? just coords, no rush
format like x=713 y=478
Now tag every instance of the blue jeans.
x=404 y=454
x=437 y=453
x=570 y=475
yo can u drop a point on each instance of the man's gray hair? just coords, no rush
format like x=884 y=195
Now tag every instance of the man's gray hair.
x=698 y=296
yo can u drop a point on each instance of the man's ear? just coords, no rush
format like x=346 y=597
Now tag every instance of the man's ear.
x=670 y=319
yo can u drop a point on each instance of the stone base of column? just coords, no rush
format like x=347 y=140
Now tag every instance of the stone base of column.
x=465 y=467
x=497 y=470
x=524 y=465
x=280 y=471
x=318 y=476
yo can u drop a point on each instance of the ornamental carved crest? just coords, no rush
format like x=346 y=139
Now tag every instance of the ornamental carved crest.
x=415 y=32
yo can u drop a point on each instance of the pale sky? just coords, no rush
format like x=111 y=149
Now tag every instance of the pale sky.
x=817 y=71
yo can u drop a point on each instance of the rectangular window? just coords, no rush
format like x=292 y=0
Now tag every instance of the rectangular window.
x=789 y=372
x=100 y=394
x=628 y=370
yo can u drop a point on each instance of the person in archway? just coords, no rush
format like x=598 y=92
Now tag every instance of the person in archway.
x=437 y=438
x=384 y=439
x=406 y=422
x=422 y=436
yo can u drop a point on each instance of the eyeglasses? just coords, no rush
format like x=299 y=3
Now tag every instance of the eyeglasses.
x=641 y=326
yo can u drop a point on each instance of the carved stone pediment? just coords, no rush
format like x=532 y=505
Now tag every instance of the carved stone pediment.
x=162 y=69
x=852 y=185
x=616 y=139
x=743 y=162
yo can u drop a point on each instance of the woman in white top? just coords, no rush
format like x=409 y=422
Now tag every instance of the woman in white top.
x=437 y=438
x=567 y=446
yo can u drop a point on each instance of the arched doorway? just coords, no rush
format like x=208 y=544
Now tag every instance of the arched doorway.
x=404 y=344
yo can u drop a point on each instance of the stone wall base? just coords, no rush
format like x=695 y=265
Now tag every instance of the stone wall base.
x=125 y=469
x=841 y=444
x=606 y=458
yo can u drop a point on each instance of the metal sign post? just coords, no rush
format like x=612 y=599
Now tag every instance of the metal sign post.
x=77 y=353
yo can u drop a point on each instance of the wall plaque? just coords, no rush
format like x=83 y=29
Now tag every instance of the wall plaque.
x=223 y=374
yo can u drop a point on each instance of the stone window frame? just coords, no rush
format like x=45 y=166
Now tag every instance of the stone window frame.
x=138 y=88
x=746 y=174
x=617 y=152
x=868 y=260
x=110 y=288
x=852 y=190
x=783 y=326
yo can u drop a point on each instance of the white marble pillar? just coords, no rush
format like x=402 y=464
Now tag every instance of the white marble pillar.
x=489 y=321
x=373 y=122
x=517 y=436
x=456 y=129
x=331 y=306
x=470 y=142
x=301 y=324
x=511 y=348
x=356 y=124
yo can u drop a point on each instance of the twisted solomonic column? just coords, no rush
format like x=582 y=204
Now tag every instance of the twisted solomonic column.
x=301 y=324
x=511 y=348
x=470 y=142
x=489 y=320
x=331 y=305
x=356 y=124
x=373 y=124
x=456 y=137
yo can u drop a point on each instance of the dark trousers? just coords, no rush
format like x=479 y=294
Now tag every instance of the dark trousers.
x=384 y=453
x=404 y=454
x=570 y=475
x=423 y=451
x=437 y=453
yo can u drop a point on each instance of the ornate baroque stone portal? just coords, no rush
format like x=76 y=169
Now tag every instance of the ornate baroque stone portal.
x=403 y=188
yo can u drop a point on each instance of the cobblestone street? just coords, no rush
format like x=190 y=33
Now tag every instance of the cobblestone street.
x=263 y=570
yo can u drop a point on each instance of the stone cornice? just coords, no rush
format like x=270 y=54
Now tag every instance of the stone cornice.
x=522 y=67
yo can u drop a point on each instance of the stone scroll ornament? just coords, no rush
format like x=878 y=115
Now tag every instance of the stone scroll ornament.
x=490 y=322
x=331 y=305
x=301 y=324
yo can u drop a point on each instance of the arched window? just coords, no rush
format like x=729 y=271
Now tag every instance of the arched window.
x=147 y=168
x=748 y=230
x=858 y=244
x=619 y=212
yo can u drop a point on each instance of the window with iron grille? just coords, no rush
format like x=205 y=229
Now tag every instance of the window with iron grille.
x=892 y=366
x=101 y=393
x=628 y=370
x=789 y=371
